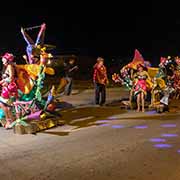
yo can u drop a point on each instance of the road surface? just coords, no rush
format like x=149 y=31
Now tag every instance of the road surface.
x=99 y=143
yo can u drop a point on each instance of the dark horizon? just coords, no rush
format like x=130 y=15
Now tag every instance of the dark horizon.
x=107 y=34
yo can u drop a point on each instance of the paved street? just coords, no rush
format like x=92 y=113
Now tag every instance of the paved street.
x=99 y=143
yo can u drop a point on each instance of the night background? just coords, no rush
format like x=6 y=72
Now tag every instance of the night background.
x=107 y=29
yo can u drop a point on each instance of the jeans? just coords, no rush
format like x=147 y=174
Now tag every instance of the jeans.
x=68 y=87
x=100 y=93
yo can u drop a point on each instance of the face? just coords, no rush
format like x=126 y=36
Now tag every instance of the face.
x=140 y=69
x=5 y=62
x=101 y=63
x=71 y=61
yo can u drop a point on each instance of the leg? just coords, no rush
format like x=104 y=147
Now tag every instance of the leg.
x=26 y=37
x=68 y=86
x=8 y=115
x=29 y=51
x=30 y=44
x=152 y=98
x=97 y=93
x=4 y=108
x=138 y=102
x=142 y=100
x=41 y=35
x=130 y=98
x=103 y=94
x=62 y=84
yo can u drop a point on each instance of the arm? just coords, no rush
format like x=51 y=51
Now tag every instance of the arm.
x=94 y=75
x=11 y=72
x=26 y=37
x=134 y=75
x=147 y=74
x=73 y=69
x=106 y=77
x=41 y=35
x=10 y=78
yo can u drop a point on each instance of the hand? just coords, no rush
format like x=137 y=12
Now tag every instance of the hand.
x=107 y=82
x=22 y=30
x=4 y=83
x=24 y=57
x=43 y=25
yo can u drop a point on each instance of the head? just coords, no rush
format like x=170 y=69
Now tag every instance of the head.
x=71 y=61
x=100 y=61
x=177 y=60
x=140 y=68
x=7 y=58
x=169 y=57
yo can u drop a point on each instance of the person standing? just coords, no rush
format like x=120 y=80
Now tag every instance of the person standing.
x=140 y=86
x=9 y=87
x=100 y=80
x=70 y=69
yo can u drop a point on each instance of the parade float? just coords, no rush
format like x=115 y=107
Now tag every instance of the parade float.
x=159 y=87
x=23 y=106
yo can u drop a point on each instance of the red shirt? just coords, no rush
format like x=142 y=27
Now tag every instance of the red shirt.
x=100 y=74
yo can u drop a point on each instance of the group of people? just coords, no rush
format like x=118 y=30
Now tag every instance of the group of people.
x=155 y=84
x=143 y=81
x=100 y=79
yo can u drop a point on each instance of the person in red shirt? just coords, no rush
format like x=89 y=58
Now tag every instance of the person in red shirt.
x=100 y=80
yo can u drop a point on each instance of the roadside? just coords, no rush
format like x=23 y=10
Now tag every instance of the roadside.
x=86 y=96
x=84 y=101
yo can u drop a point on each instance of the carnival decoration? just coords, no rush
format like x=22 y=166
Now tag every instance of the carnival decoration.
x=23 y=97
x=164 y=81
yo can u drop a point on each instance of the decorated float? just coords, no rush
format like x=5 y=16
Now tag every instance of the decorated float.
x=23 y=106
x=150 y=87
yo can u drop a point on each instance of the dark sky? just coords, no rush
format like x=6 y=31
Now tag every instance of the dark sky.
x=98 y=29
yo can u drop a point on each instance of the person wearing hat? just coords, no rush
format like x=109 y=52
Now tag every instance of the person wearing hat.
x=100 y=80
x=9 y=88
x=140 y=86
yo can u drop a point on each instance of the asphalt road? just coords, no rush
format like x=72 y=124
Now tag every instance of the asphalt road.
x=99 y=143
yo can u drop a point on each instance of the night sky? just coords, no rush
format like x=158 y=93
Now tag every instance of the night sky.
x=108 y=30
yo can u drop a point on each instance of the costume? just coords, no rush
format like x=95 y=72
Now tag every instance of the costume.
x=33 y=49
x=9 y=91
x=9 y=87
x=140 y=85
